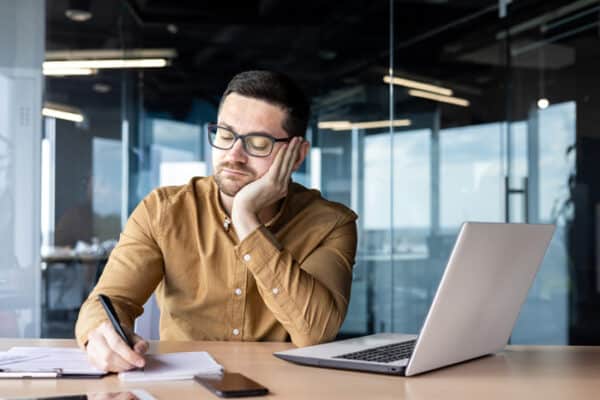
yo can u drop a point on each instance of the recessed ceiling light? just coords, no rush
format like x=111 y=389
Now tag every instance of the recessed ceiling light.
x=78 y=15
x=172 y=28
x=79 y=10
x=543 y=103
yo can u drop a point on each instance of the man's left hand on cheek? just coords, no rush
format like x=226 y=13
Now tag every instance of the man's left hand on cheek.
x=266 y=190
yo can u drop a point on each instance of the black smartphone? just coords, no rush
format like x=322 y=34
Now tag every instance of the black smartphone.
x=231 y=384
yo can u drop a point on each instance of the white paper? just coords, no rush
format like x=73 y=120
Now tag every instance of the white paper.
x=9 y=358
x=71 y=361
x=174 y=366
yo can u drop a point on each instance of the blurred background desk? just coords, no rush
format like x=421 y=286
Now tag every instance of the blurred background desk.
x=68 y=277
x=520 y=372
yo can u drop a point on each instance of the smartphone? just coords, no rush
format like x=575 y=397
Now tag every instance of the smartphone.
x=231 y=384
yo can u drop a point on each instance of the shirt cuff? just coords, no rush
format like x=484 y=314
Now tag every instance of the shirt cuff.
x=258 y=248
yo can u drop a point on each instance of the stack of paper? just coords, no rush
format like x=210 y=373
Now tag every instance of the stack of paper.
x=7 y=358
x=174 y=366
x=71 y=362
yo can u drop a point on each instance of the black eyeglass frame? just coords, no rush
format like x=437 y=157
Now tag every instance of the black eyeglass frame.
x=237 y=136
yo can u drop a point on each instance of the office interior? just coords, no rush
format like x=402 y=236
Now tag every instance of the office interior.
x=425 y=114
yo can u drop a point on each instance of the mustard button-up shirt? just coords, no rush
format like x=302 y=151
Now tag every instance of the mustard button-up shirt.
x=288 y=279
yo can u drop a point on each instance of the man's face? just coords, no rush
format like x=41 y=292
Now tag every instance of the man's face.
x=234 y=168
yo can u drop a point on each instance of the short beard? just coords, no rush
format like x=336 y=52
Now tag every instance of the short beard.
x=231 y=187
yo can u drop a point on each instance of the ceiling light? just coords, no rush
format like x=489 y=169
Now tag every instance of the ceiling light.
x=78 y=15
x=79 y=10
x=60 y=111
x=347 y=125
x=334 y=125
x=543 y=103
x=49 y=112
x=417 y=85
x=172 y=29
x=114 y=63
x=444 y=99
x=106 y=54
x=381 y=124
x=69 y=71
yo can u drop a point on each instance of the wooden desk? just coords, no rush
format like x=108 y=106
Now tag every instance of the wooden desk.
x=518 y=373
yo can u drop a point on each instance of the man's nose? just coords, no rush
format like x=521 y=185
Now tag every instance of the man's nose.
x=237 y=152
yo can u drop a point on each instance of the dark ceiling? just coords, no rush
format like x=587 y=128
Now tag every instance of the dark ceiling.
x=325 y=45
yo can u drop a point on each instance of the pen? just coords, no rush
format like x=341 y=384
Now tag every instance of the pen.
x=114 y=320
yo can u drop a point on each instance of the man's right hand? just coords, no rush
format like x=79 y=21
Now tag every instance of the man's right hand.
x=108 y=352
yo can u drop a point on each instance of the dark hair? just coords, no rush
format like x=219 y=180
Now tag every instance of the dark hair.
x=277 y=89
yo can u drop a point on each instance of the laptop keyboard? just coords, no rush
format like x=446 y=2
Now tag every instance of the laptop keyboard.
x=383 y=354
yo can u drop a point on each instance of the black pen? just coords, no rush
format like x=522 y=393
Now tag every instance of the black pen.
x=114 y=320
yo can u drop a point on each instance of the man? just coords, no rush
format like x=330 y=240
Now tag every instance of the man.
x=243 y=255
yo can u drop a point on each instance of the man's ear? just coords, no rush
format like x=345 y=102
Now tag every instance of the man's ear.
x=302 y=153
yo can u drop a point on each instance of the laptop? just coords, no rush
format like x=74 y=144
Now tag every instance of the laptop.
x=472 y=314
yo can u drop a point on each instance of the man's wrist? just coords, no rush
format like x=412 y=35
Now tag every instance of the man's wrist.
x=244 y=222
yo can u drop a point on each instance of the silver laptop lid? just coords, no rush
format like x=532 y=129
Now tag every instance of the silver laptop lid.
x=480 y=294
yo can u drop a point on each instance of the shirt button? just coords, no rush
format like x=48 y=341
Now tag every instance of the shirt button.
x=236 y=332
x=247 y=257
x=238 y=291
x=275 y=291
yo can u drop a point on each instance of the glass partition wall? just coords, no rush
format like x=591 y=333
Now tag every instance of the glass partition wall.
x=554 y=102
x=494 y=135
x=85 y=162
x=500 y=143
x=21 y=55
x=424 y=115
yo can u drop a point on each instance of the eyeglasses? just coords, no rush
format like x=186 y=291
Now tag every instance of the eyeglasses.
x=255 y=144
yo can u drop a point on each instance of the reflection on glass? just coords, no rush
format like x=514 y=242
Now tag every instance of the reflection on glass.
x=106 y=188
x=176 y=153
x=21 y=55
x=471 y=175
x=556 y=161
x=412 y=229
x=544 y=316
